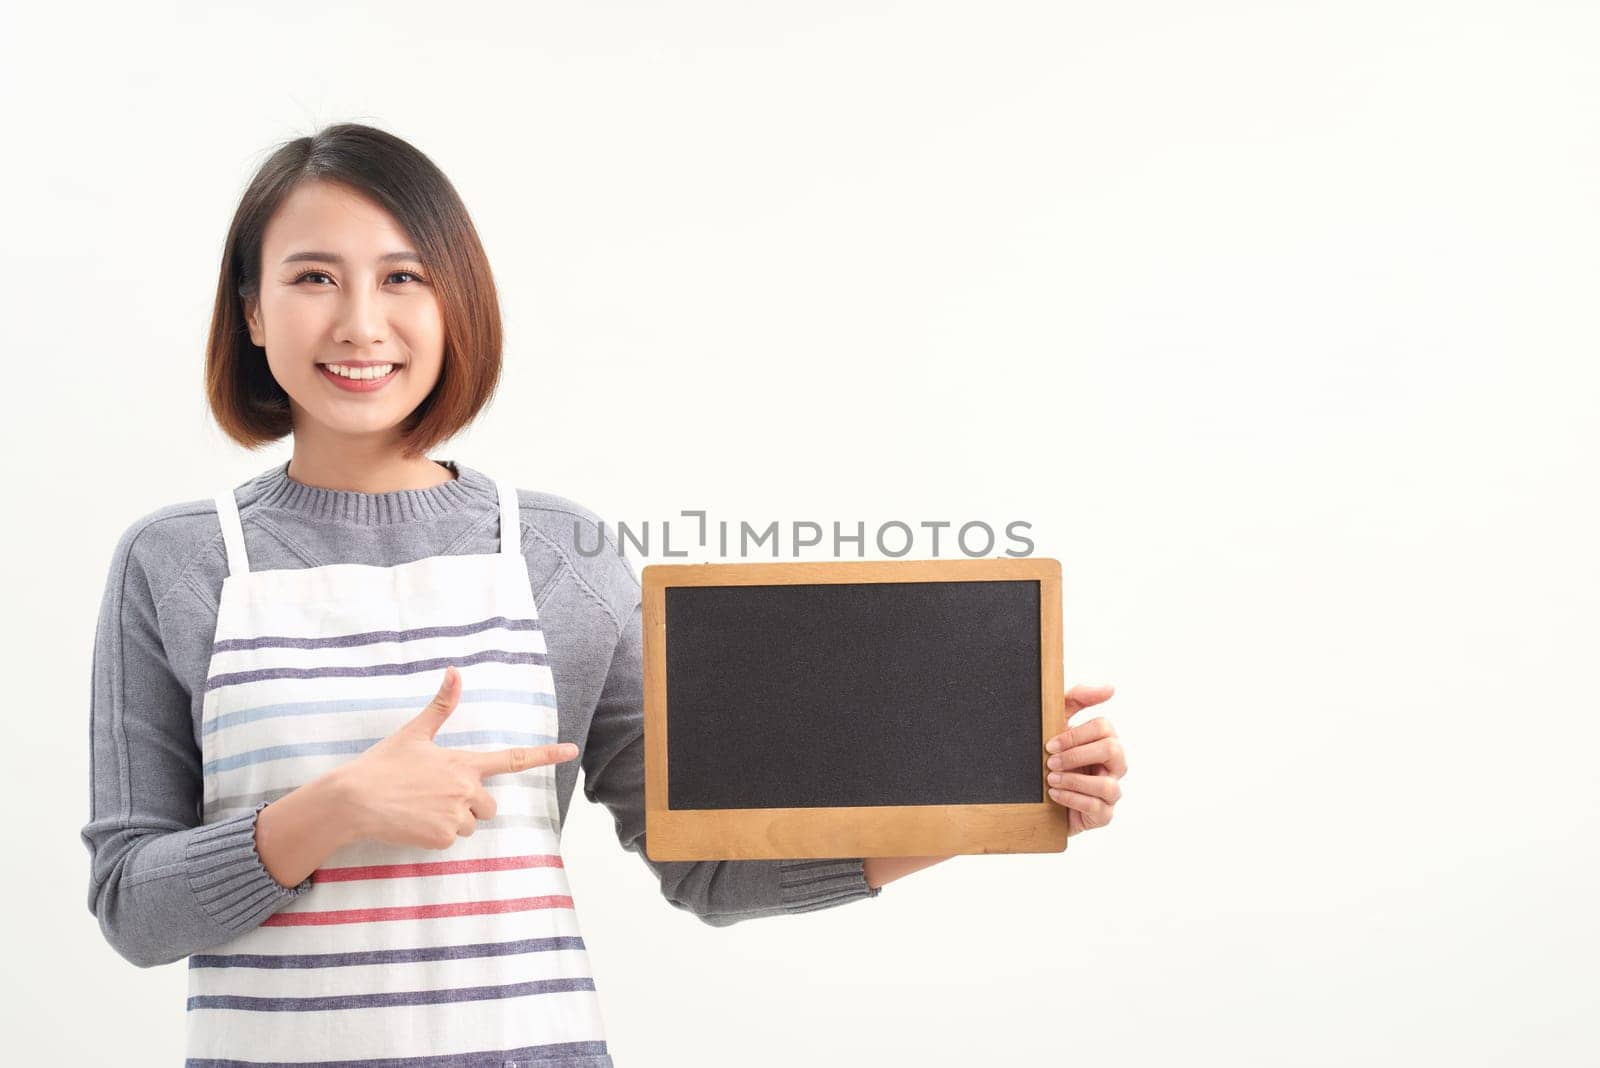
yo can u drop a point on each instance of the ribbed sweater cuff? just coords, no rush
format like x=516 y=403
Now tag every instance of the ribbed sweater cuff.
x=807 y=885
x=228 y=878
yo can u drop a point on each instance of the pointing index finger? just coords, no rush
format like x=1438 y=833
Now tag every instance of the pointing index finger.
x=520 y=758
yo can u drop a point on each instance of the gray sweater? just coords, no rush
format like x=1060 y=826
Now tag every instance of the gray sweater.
x=163 y=886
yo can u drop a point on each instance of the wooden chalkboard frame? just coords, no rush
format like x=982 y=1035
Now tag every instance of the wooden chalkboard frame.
x=844 y=832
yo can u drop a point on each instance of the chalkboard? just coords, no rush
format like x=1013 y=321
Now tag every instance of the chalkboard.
x=870 y=708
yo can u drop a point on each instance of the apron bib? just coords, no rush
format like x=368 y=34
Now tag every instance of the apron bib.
x=397 y=955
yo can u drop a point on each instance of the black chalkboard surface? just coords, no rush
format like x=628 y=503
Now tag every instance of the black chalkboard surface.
x=870 y=708
x=849 y=674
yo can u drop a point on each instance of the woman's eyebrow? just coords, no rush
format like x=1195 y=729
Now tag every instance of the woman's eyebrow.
x=334 y=257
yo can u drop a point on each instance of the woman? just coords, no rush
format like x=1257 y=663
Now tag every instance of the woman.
x=348 y=664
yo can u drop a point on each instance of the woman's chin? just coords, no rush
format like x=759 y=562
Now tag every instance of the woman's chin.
x=359 y=419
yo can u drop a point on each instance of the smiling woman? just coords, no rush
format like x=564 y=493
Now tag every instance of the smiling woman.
x=334 y=734
x=355 y=308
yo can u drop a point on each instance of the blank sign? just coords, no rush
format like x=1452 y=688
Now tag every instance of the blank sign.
x=898 y=693
x=857 y=708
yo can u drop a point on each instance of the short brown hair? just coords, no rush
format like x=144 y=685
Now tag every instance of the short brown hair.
x=247 y=401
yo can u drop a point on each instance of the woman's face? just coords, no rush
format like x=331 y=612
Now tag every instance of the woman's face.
x=341 y=286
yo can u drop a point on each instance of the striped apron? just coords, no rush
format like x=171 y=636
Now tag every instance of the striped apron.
x=397 y=955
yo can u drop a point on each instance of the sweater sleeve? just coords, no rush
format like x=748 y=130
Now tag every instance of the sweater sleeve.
x=161 y=885
x=720 y=892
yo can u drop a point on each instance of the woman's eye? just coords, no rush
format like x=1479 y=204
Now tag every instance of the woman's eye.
x=412 y=275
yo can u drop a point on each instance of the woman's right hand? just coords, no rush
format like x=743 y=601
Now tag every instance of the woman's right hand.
x=408 y=790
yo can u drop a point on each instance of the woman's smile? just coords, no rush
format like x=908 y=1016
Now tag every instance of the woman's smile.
x=362 y=377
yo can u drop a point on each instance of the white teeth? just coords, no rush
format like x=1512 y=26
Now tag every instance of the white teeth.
x=375 y=371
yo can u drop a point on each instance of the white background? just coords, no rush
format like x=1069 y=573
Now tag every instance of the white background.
x=1277 y=322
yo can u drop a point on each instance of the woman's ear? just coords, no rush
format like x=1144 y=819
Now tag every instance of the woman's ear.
x=252 y=319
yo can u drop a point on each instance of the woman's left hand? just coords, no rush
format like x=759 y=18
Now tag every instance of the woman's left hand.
x=1086 y=763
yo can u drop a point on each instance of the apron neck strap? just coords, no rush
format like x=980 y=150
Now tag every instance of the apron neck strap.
x=510 y=518
x=232 y=533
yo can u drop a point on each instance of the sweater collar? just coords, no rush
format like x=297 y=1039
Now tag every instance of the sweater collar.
x=273 y=488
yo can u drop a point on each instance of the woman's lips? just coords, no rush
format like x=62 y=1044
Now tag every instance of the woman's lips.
x=358 y=385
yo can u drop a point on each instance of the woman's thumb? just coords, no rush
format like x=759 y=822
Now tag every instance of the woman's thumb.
x=432 y=717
